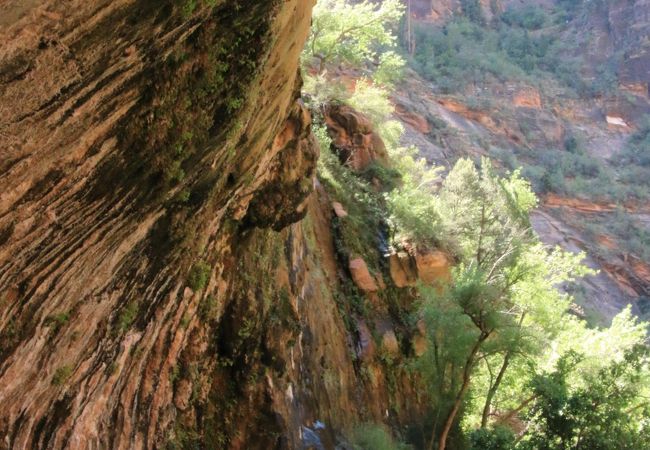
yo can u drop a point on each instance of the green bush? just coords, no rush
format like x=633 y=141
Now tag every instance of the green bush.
x=127 y=316
x=473 y=11
x=530 y=17
x=375 y=437
x=61 y=375
x=499 y=438
x=465 y=52
x=568 y=9
x=57 y=321
x=199 y=276
x=637 y=150
x=461 y=53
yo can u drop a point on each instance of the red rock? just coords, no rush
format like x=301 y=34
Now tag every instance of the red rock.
x=183 y=394
x=415 y=120
x=389 y=343
x=528 y=98
x=361 y=275
x=366 y=345
x=380 y=282
x=420 y=345
x=339 y=210
x=422 y=327
x=402 y=270
x=433 y=267
x=353 y=137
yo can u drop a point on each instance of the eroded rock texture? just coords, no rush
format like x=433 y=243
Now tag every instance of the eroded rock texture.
x=155 y=288
x=134 y=135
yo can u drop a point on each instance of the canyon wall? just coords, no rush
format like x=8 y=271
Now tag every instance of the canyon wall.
x=170 y=270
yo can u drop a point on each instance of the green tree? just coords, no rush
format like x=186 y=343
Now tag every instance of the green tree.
x=413 y=212
x=355 y=34
x=503 y=299
x=473 y=11
x=609 y=412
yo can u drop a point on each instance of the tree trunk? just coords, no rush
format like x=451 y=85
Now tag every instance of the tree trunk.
x=497 y=382
x=493 y=390
x=513 y=412
x=467 y=373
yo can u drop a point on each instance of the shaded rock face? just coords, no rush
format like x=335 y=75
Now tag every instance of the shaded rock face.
x=442 y=10
x=137 y=141
x=629 y=25
x=283 y=199
x=434 y=9
x=148 y=152
x=353 y=137
x=620 y=29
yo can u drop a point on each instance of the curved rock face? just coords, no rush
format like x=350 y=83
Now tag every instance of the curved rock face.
x=353 y=137
x=139 y=141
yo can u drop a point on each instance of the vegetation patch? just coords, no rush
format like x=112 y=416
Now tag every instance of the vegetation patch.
x=57 y=321
x=374 y=437
x=127 y=316
x=61 y=375
x=199 y=276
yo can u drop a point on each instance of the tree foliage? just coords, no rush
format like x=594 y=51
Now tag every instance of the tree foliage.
x=355 y=34
x=609 y=412
x=503 y=303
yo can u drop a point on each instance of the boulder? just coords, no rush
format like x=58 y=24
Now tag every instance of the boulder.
x=380 y=282
x=419 y=345
x=353 y=137
x=183 y=394
x=420 y=342
x=366 y=344
x=339 y=210
x=402 y=269
x=433 y=267
x=389 y=343
x=361 y=276
x=616 y=121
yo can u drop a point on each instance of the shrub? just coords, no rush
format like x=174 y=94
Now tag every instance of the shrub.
x=464 y=52
x=199 y=276
x=473 y=11
x=127 y=316
x=498 y=438
x=61 y=375
x=374 y=437
x=355 y=34
x=530 y=17
x=57 y=321
x=637 y=150
x=412 y=207
x=461 y=53
x=372 y=100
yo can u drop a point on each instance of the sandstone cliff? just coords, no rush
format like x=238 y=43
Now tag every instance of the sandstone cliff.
x=158 y=288
x=139 y=139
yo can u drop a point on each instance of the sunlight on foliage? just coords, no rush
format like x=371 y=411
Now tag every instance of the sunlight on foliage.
x=354 y=34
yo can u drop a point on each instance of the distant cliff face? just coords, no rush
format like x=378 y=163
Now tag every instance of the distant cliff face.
x=610 y=39
x=626 y=29
x=136 y=139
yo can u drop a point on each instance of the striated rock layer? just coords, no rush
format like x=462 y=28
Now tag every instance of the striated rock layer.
x=155 y=288
x=138 y=139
